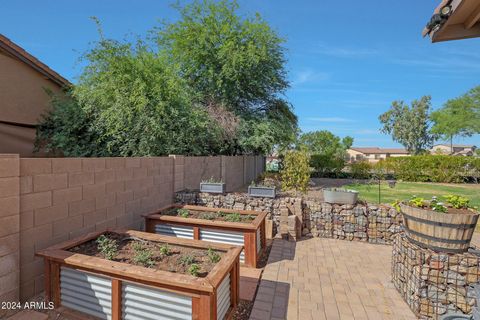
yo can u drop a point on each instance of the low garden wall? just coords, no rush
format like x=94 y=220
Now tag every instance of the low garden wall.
x=45 y=201
x=434 y=284
x=362 y=222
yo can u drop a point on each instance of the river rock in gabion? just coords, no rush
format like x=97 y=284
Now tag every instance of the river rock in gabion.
x=433 y=283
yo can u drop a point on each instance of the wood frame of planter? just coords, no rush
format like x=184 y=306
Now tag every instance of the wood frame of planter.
x=249 y=230
x=202 y=291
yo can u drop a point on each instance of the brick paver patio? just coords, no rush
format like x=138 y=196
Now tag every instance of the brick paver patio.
x=328 y=279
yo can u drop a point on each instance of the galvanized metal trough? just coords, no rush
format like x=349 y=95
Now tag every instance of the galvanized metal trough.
x=120 y=291
x=250 y=235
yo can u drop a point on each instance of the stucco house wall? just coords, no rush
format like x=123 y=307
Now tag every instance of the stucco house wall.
x=23 y=97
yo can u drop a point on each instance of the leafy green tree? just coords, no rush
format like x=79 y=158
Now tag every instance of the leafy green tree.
x=325 y=143
x=210 y=83
x=130 y=103
x=237 y=64
x=228 y=60
x=409 y=125
x=458 y=117
x=328 y=151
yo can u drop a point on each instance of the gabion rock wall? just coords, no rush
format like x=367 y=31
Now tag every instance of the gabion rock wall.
x=434 y=284
x=362 y=222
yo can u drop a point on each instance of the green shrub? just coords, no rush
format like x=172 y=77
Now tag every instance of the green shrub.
x=326 y=164
x=360 y=170
x=433 y=168
x=296 y=171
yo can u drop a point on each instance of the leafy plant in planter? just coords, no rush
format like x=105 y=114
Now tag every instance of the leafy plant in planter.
x=108 y=247
x=213 y=255
x=439 y=226
x=194 y=269
x=212 y=185
x=165 y=250
x=265 y=189
x=183 y=213
x=143 y=256
x=340 y=196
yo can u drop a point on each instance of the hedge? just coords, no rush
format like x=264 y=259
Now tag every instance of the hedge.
x=433 y=168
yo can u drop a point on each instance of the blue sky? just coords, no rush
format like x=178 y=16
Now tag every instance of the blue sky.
x=347 y=60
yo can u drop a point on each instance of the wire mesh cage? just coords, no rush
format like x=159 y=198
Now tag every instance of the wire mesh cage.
x=435 y=284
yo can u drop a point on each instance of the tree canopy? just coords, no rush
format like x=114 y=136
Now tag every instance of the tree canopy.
x=325 y=143
x=409 y=125
x=210 y=83
x=458 y=117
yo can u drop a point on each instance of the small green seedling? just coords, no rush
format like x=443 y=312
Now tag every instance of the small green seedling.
x=165 y=250
x=187 y=260
x=233 y=217
x=143 y=256
x=183 y=213
x=213 y=255
x=194 y=269
x=108 y=247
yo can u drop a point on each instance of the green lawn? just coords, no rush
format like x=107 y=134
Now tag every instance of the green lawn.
x=404 y=190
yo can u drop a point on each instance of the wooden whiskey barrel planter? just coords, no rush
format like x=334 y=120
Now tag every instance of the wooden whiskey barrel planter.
x=251 y=235
x=445 y=232
x=120 y=291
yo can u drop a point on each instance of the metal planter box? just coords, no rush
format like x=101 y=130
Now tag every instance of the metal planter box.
x=250 y=235
x=340 y=196
x=261 y=191
x=212 y=187
x=115 y=290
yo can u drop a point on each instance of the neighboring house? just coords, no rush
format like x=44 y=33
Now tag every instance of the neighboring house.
x=374 y=154
x=458 y=149
x=454 y=20
x=23 y=98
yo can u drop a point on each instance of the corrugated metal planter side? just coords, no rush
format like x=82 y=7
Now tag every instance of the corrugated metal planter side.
x=86 y=293
x=261 y=191
x=250 y=235
x=340 y=196
x=212 y=187
x=174 y=231
x=114 y=290
x=142 y=302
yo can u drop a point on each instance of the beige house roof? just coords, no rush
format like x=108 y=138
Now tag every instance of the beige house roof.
x=9 y=47
x=376 y=150
x=453 y=20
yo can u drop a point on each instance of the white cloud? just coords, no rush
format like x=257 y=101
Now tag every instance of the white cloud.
x=308 y=76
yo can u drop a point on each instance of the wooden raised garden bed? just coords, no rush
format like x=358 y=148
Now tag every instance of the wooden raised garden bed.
x=238 y=227
x=79 y=276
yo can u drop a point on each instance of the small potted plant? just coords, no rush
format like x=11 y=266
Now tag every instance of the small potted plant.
x=265 y=190
x=212 y=186
x=340 y=196
x=445 y=226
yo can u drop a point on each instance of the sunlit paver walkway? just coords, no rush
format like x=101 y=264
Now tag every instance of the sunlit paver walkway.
x=328 y=279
